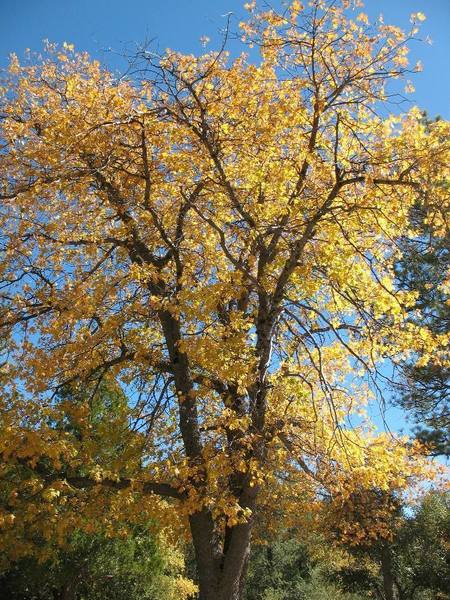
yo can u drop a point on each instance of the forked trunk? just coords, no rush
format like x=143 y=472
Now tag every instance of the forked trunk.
x=221 y=572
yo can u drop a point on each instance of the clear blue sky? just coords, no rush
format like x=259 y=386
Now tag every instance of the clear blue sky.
x=95 y=25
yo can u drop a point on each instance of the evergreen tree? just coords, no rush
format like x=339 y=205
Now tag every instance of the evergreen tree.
x=424 y=268
x=96 y=567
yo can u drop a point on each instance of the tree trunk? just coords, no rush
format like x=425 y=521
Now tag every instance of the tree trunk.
x=232 y=578
x=244 y=574
x=221 y=573
x=69 y=591
x=207 y=555
x=389 y=586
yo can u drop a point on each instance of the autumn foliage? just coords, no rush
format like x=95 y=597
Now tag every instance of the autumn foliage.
x=214 y=239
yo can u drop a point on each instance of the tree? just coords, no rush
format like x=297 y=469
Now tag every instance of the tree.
x=416 y=557
x=286 y=569
x=278 y=570
x=373 y=568
x=217 y=236
x=94 y=567
x=136 y=564
x=421 y=548
x=423 y=268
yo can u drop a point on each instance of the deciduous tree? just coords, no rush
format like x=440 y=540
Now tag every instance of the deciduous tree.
x=413 y=563
x=218 y=236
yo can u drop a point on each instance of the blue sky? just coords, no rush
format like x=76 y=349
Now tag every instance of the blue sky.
x=100 y=25
x=96 y=25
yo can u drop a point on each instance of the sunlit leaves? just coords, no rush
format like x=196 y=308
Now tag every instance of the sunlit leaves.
x=216 y=240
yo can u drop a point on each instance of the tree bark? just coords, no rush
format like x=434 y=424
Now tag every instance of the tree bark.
x=233 y=574
x=389 y=586
x=69 y=591
x=221 y=572
x=207 y=554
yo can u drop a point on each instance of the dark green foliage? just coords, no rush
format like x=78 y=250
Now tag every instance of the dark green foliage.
x=278 y=571
x=356 y=580
x=425 y=390
x=284 y=570
x=92 y=567
x=108 y=424
x=423 y=552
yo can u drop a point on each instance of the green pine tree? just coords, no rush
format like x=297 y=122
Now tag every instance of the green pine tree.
x=424 y=390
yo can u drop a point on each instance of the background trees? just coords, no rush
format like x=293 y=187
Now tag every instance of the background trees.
x=127 y=560
x=95 y=567
x=291 y=566
x=417 y=554
x=287 y=569
x=423 y=268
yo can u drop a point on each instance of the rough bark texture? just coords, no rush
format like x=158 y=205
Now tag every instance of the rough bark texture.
x=389 y=585
x=221 y=565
